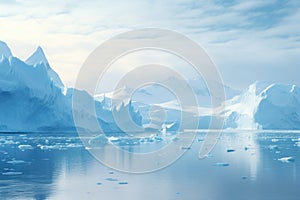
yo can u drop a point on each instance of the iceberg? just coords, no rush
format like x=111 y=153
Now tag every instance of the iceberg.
x=277 y=107
x=33 y=97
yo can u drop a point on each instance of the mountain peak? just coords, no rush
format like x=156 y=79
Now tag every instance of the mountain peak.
x=5 y=51
x=38 y=57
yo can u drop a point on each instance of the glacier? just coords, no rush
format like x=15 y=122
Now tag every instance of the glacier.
x=34 y=98
x=276 y=107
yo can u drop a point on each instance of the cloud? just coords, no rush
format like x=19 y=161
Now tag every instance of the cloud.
x=249 y=40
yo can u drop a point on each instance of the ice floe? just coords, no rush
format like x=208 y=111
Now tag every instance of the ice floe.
x=286 y=159
x=25 y=147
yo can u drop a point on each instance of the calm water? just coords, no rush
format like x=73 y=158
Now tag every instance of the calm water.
x=241 y=166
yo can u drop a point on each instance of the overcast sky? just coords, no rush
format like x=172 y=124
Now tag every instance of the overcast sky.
x=248 y=40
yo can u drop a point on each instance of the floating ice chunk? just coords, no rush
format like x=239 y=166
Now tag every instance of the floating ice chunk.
x=186 y=148
x=274 y=140
x=146 y=140
x=12 y=173
x=221 y=164
x=49 y=147
x=74 y=145
x=286 y=159
x=158 y=139
x=15 y=162
x=273 y=147
x=295 y=139
x=114 y=139
x=3 y=152
x=123 y=183
x=25 y=147
x=111 y=179
x=230 y=150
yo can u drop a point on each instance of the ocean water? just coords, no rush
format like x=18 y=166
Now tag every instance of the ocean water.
x=243 y=165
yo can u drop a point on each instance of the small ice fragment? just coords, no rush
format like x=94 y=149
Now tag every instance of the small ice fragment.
x=25 y=147
x=286 y=159
x=221 y=164
x=112 y=179
x=123 y=183
x=186 y=148
x=272 y=147
x=230 y=150
x=12 y=173
x=14 y=162
x=274 y=140
x=158 y=139
x=295 y=139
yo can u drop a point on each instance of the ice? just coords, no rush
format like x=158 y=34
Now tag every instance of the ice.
x=12 y=173
x=4 y=51
x=230 y=150
x=273 y=147
x=264 y=109
x=186 y=148
x=32 y=85
x=221 y=164
x=287 y=159
x=111 y=179
x=15 y=162
x=25 y=147
x=33 y=98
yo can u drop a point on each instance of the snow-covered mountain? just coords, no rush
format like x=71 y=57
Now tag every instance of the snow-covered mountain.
x=32 y=97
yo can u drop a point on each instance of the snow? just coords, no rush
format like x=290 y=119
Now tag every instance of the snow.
x=34 y=88
x=5 y=52
x=277 y=107
x=39 y=58
x=32 y=97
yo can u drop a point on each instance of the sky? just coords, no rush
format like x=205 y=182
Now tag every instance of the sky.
x=248 y=40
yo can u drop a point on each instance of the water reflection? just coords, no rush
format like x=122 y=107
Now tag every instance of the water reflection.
x=242 y=166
